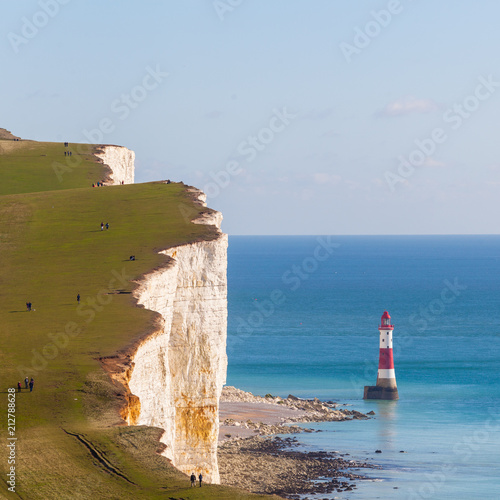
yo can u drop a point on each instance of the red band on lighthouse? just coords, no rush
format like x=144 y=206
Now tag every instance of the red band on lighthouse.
x=385 y=360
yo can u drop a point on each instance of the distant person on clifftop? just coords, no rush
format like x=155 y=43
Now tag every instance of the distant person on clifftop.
x=102 y=226
x=78 y=298
x=107 y=225
x=26 y=381
x=32 y=382
x=200 y=477
x=193 y=480
x=19 y=387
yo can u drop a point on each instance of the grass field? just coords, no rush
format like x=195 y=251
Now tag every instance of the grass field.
x=30 y=167
x=70 y=440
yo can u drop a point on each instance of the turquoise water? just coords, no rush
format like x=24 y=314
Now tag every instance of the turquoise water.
x=303 y=318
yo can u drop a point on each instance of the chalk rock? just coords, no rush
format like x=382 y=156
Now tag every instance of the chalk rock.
x=179 y=371
x=120 y=160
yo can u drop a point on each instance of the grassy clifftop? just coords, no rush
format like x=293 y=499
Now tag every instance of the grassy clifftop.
x=30 y=167
x=71 y=442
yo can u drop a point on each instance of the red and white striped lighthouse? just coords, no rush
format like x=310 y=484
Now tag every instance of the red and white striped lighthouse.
x=386 y=387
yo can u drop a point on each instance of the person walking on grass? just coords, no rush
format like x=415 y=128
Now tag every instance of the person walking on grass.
x=193 y=480
x=200 y=477
x=102 y=226
x=32 y=382
x=78 y=298
x=26 y=382
x=19 y=387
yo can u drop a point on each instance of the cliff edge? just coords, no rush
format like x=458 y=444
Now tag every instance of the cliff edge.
x=176 y=375
x=178 y=372
x=120 y=161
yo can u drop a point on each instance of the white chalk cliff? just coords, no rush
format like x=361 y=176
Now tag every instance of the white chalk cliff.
x=175 y=376
x=179 y=371
x=120 y=160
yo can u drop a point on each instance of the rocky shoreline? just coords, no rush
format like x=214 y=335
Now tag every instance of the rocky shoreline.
x=272 y=465
x=271 y=413
x=251 y=457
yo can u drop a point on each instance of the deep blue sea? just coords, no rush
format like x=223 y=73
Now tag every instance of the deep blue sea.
x=303 y=318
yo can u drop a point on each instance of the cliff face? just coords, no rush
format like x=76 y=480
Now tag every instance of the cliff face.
x=175 y=376
x=121 y=162
x=179 y=371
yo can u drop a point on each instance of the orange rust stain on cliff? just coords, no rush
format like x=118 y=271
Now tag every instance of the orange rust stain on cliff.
x=197 y=423
x=130 y=413
x=119 y=368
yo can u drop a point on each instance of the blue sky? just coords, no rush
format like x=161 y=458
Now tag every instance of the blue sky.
x=296 y=117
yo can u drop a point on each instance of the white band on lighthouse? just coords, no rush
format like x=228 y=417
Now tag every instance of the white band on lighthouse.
x=386 y=373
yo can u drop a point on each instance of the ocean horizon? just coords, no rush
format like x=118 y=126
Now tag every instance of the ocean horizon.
x=303 y=319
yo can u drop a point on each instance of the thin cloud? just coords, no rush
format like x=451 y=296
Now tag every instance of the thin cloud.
x=324 y=178
x=431 y=162
x=407 y=105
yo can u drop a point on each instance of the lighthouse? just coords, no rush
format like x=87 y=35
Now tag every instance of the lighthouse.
x=386 y=387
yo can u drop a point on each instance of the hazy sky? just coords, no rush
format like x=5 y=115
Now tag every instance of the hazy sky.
x=296 y=117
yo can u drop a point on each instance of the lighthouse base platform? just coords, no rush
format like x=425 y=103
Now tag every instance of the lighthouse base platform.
x=377 y=392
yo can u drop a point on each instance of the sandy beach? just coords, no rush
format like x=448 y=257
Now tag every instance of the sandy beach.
x=251 y=456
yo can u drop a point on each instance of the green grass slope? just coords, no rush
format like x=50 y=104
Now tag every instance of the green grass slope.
x=71 y=442
x=29 y=166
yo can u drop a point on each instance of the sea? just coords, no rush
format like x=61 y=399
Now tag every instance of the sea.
x=303 y=319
